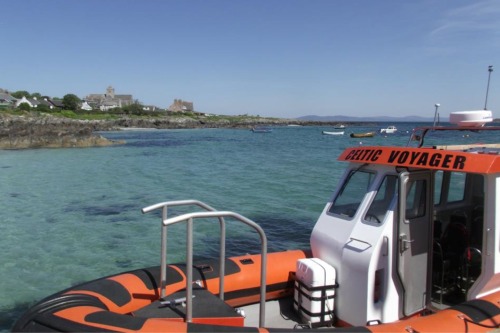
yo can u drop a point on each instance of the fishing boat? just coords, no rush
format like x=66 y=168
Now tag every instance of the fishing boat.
x=363 y=135
x=389 y=130
x=408 y=242
x=333 y=133
x=262 y=130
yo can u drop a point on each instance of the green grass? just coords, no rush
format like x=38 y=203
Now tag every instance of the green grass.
x=98 y=115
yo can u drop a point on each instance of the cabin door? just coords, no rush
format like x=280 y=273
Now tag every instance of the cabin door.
x=415 y=207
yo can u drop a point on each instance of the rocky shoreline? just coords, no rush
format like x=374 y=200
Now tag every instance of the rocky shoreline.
x=47 y=131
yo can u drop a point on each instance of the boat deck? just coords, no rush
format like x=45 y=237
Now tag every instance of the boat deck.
x=279 y=314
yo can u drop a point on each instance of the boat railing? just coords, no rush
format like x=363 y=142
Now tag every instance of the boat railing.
x=164 y=206
x=189 y=219
x=418 y=134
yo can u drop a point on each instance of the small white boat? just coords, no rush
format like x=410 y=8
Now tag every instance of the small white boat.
x=262 y=130
x=333 y=133
x=389 y=130
x=339 y=126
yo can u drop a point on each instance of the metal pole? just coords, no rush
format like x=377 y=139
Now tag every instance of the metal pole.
x=222 y=257
x=163 y=264
x=435 y=114
x=490 y=69
x=189 y=271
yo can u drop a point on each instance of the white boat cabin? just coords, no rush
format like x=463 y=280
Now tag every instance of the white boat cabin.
x=410 y=229
x=389 y=130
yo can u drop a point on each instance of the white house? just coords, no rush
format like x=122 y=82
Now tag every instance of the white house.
x=108 y=105
x=148 y=108
x=85 y=106
x=31 y=102
x=46 y=102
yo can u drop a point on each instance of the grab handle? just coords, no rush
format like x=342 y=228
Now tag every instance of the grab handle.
x=189 y=218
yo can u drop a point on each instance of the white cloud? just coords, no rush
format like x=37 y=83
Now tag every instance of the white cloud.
x=481 y=17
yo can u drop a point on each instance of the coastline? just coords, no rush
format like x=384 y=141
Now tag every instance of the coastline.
x=45 y=131
x=39 y=130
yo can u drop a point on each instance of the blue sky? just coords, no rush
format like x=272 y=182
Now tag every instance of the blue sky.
x=280 y=58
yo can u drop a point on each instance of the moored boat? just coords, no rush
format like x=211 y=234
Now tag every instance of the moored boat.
x=333 y=132
x=389 y=130
x=408 y=242
x=262 y=130
x=362 y=135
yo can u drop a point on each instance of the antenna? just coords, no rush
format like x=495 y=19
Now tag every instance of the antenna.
x=437 y=105
x=490 y=69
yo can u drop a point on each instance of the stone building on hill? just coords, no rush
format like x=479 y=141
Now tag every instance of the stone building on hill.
x=181 y=106
x=109 y=100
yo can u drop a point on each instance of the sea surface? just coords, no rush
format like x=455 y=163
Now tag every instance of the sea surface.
x=73 y=215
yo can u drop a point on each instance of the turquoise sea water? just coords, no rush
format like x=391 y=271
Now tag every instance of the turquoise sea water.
x=72 y=215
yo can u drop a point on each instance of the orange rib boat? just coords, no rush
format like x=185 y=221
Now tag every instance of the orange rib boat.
x=408 y=242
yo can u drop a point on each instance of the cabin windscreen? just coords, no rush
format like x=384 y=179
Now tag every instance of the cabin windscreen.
x=350 y=196
x=383 y=199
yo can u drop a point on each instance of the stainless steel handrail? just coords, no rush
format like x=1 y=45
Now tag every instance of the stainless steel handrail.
x=189 y=249
x=163 y=267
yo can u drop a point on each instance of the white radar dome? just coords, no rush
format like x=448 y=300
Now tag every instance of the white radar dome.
x=476 y=118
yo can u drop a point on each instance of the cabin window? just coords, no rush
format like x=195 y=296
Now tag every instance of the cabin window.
x=349 y=198
x=457 y=187
x=380 y=205
x=438 y=186
x=416 y=199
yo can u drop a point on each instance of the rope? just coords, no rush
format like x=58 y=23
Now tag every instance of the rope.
x=466 y=320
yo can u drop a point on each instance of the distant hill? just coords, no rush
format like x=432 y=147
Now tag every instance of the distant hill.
x=341 y=118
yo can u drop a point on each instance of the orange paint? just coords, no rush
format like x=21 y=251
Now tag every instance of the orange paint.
x=425 y=158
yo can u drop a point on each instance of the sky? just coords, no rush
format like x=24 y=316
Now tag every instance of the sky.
x=273 y=58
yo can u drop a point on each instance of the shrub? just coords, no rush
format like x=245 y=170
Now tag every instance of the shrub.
x=24 y=107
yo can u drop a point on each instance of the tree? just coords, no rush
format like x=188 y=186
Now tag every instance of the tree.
x=43 y=108
x=71 y=102
x=20 y=94
x=135 y=108
x=24 y=107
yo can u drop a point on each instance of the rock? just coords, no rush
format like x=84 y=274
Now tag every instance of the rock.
x=37 y=130
x=19 y=132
